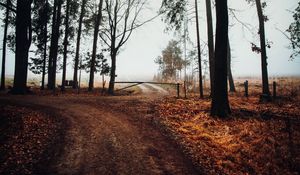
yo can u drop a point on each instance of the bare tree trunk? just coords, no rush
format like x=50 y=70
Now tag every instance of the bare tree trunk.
x=65 y=45
x=23 y=42
x=264 y=64
x=230 y=77
x=96 y=32
x=199 y=51
x=220 y=104
x=45 y=45
x=75 y=79
x=50 y=61
x=54 y=45
x=210 y=36
x=113 y=72
x=8 y=3
x=45 y=57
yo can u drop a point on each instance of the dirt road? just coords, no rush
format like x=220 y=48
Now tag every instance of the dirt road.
x=100 y=139
x=152 y=88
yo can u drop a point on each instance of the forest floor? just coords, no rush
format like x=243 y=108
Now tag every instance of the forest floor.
x=89 y=133
x=83 y=135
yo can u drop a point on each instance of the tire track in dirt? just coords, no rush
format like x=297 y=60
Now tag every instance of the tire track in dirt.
x=102 y=141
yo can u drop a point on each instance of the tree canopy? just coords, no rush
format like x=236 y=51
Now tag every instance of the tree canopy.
x=294 y=30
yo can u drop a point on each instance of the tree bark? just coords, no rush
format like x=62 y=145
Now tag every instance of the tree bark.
x=8 y=3
x=199 y=51
x=45 y=45
x=264 y=64
x=230 y=77
x=96 y=32
x=210 y=36
x=65 y=45
x=75 y=75
x=54 y=45
x=113 y=72
x=50 y=61
x=23 y=42
x=220 y=104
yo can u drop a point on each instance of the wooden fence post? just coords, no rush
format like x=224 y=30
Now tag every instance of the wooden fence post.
x=274 y=90
x=184 y=89
x=178 y=90
x=246 y=88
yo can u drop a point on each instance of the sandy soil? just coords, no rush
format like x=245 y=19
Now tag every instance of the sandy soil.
x=101 y=139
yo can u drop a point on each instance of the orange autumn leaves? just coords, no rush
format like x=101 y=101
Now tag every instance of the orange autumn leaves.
x=243 y=144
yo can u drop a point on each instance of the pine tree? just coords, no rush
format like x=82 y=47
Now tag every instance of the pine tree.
x=94 y=52
x=79 y=32
x=41 y=17
x=52 y=63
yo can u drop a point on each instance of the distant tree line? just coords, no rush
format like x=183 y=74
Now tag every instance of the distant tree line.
x=54 y=30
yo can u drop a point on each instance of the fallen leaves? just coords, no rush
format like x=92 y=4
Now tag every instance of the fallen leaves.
x=243 y=144
x=25 y=139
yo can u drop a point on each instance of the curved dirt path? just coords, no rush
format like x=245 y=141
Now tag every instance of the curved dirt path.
x=152 y=89
x=100 y=140
x=159 y=89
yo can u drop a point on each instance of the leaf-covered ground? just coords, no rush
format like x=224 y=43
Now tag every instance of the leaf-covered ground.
x=27 y=137
x=257 y=139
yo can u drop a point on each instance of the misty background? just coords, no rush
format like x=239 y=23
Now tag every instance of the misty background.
x=136 y=59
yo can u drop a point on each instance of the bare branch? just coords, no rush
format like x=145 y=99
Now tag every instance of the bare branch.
x=295 y=43
x=122 y=20
x=103 y=39
x=13 y=9
x=106 y=35
x=138 y=8
x=245 y=25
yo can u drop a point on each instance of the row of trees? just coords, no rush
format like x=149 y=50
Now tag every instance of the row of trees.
x=113 y=21
x=219 y=54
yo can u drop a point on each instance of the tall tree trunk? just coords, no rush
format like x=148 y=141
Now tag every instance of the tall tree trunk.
x=45 y=45
x=220 y=104
x=210 y=36
x=112 y=72
x=199 y=51
x=23 y=41
x=44 y=61
x=65 y=45
x=75 y=75
x=50 y=61
x=8 y=3
x=54 y=45
x=230 y=77
x=96 y=32
x=264 y=64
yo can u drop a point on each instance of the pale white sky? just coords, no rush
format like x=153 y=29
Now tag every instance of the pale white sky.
x=136 y=61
